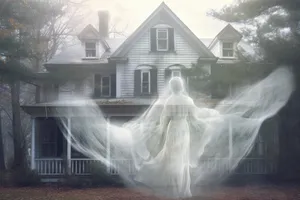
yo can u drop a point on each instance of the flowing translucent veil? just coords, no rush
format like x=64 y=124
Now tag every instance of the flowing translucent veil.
x=220 y=137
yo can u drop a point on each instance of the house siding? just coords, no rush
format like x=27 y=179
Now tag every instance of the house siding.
x=216 y=50
x=140 y=54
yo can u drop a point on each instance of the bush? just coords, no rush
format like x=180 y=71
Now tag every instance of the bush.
x=24 y=178
x=99 y=177
x=74 y=181
x=4 y=178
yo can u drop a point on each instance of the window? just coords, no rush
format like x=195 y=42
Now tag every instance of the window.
x=176 y=73
x=227 y=50
x=145 y=79
x=90 y=49
x=49 y=138
x=162 y=39
x=105 y=89
x=102 y=85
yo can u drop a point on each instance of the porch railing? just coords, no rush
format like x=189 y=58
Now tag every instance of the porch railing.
x=84 y=166
x=51 y=166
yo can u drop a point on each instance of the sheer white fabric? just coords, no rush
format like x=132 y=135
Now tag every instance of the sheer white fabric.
x=171 y=143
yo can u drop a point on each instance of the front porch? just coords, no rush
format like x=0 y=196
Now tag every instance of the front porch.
x=52 y=154
x=82 y=167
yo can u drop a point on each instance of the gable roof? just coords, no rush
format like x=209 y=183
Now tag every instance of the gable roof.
x=234 y=34
x=83 y=35
x=74 y=53
x=164 y=12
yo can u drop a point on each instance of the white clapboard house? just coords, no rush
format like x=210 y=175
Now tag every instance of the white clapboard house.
x=124 y=76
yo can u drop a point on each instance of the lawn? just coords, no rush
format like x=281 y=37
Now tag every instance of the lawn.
x=221 y=193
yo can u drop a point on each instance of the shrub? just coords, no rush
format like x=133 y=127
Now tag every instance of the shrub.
x=74 y=181
x=24 y=178
x=4 y=178
x=100 y=177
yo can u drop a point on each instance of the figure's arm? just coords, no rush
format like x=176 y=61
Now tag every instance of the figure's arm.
x=196 y=112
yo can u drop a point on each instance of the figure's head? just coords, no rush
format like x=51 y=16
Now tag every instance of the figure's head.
x=176 y=85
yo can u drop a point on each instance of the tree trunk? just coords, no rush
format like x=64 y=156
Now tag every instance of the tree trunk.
x=37 y=65
x=19 y=155
x=2 y=160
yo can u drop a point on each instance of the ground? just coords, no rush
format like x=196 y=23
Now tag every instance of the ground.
x=221 y=193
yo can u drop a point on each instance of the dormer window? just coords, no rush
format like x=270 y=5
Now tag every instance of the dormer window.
x=227 y=49
x=162 y=39
x=90 y=49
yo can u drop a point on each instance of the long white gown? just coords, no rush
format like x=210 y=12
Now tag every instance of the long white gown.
x=174 y=135
x=169 y=169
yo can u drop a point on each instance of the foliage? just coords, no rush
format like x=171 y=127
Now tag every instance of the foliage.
x=75 y=181
x=100 y=177
x=31 y=32
x=271 y=25
x=274 y=26
x=20 y=178
x=199 y=79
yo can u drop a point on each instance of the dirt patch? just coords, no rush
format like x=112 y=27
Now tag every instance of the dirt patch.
x=221 y=193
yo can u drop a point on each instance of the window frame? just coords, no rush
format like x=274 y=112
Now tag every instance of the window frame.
x=227 y=49
x=90 y=49
x=49 y=145
x=149 y=81
x=109 y=86
x=174 y=71
x=101 y=85
x=167 y=39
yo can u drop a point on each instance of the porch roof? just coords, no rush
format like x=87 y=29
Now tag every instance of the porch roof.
x=124 y=106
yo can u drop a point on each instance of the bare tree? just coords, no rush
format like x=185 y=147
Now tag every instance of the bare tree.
x=2 y=159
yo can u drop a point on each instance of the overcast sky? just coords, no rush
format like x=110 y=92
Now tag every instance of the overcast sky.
x=131 y=13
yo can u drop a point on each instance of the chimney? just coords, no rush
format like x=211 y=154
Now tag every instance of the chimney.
x=103 y=23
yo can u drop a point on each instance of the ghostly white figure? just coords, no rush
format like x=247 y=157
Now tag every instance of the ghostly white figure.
x=169 y=169
x=174 y=141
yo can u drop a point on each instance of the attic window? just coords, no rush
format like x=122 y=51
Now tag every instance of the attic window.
x=90 y=49
x=162 y=39
x=227 y=50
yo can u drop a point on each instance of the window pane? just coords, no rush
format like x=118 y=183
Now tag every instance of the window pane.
x=228 y=45
x=105 y=91
x=162 y=34
x=175 y=73
x=145 y=88
x=145 y=82
x=90 y=45
x=145 y=77
x=90 y=53
x=162 y=44
x=105 y=86
x=227 y=53
x=105 y=81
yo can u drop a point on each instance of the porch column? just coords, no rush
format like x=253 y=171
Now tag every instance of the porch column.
x=230 y=141
x=33 y=143
x=108 y=144
x=69 y=146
